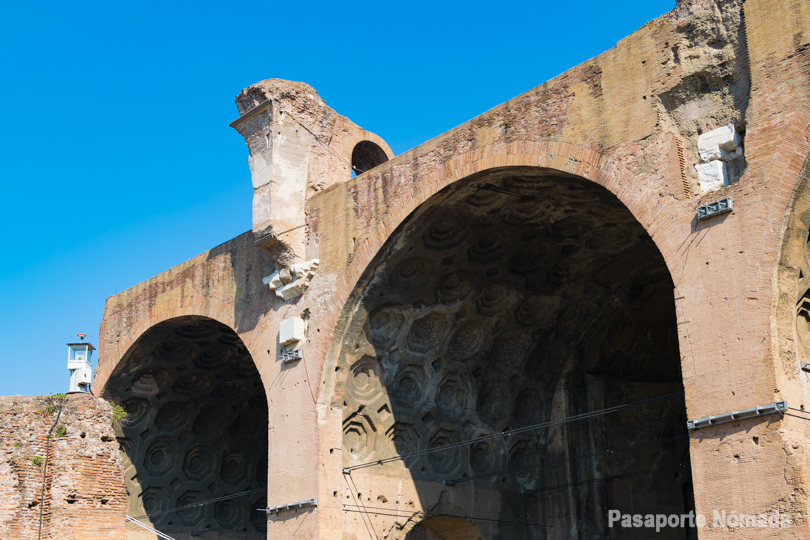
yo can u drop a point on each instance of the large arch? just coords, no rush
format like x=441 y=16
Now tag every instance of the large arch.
x=131 y=325
x=196 y=429
x=791 y=306
x=414 y=183
x=512 y=297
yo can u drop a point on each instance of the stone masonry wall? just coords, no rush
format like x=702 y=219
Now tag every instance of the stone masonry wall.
x=84 y=487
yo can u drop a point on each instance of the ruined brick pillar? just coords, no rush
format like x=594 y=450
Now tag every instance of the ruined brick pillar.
x=85 y=496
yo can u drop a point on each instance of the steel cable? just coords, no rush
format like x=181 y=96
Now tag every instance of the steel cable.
x=575 y=418
x=602 y=479
x=392 y=512
x=363 y=514
x=148 y=528
x=572 y=458
x=201 y=503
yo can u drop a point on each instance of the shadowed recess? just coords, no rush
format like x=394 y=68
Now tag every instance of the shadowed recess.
x=366 y=155
x=511 y=298
x=195 y=429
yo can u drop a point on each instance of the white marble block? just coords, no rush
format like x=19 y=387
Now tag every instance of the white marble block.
x=712 y=175
x=301 y=274
x=722 y=143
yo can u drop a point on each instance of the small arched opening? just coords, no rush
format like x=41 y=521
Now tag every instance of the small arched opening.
x=195 y=430
x=366 y=155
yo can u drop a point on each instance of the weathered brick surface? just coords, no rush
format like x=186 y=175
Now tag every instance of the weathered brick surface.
x=84 y=487
x=627 y=120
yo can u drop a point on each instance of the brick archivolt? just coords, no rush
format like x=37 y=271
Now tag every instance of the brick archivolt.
x=203 y=306
x=559 y=157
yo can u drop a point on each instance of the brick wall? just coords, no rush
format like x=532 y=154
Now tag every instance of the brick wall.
x=84 y=487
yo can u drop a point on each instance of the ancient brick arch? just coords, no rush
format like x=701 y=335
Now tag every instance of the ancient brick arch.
x=195 y=427
x=510 y=298
x=366 y=150
x=140 y=322
x=547 y=158
x=792 y=277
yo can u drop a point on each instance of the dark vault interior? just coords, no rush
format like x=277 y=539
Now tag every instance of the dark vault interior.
x=195 y=429
x=513 y=298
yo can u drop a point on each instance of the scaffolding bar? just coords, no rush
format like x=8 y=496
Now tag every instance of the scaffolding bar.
x=292 y=506
x=733 y=416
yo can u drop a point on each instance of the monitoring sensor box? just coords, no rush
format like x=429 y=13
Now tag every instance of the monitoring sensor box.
x=291 y=331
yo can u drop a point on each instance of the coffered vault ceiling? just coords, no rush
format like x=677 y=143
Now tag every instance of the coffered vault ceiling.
x=512 y=298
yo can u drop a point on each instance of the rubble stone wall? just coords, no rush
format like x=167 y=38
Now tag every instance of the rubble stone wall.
x=85 y=495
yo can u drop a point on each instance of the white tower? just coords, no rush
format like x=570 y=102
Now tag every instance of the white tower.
x=79 y=355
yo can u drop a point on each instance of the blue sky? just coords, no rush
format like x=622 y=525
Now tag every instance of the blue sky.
x=116 y=159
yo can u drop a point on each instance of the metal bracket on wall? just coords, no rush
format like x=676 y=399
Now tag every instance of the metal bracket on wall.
x=806 y=366
x=292 y=506
x=713 y=209
x=292 y=355
x=733 y=416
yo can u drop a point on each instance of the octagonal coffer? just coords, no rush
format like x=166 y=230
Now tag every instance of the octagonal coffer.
x=153 y=500
x=159 y=458
x=195 y=514
x=428 y=333
x=409 y=388
x=452 y=396
x=359 y=436
x=235 y=468
x=228 y=513
x=173 y=416
x=199 y=463
x=403 y=439
x=444 y=461
x=365 y=382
